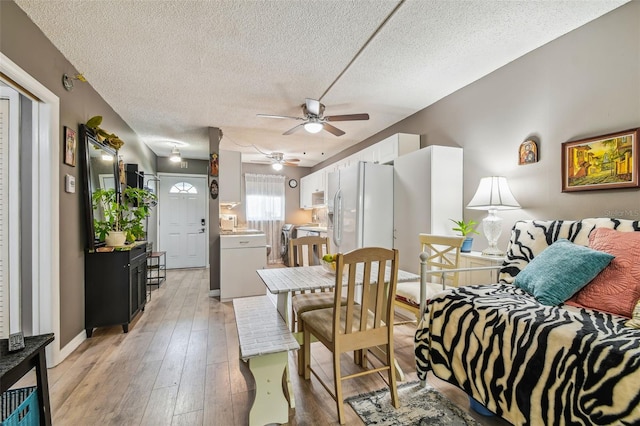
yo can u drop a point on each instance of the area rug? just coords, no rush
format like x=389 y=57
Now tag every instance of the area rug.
x=418 y=407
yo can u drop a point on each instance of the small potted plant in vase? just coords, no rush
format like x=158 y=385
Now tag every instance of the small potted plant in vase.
x=123 y=214
x=465 y=228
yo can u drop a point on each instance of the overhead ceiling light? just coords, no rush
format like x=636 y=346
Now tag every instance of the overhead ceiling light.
x=313 y=126
x=276 y=166
x=175 y=155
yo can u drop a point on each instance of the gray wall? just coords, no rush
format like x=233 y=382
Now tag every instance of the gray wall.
x=24 y=44
x=586 y=83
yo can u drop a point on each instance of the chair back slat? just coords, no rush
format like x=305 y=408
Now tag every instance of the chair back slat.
x=316 y=247
x=374 y=310
x=444 y=253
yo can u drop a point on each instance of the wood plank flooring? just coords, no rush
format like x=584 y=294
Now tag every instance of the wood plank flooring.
x=179 y=365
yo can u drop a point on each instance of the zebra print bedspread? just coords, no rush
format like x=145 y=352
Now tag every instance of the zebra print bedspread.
x=532 y=364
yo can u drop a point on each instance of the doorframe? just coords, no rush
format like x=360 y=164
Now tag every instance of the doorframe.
x=206 y=209
x=46 y=209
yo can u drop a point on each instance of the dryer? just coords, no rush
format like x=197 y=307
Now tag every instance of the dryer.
x=288 y=232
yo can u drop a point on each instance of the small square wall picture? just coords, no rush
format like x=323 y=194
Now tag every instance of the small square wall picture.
x=70 y=147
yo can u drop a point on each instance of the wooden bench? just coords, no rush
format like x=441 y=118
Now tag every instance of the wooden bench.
x=265 y=341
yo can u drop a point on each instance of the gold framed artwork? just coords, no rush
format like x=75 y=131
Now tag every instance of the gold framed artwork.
x=213 y=164
x=528 y=153
x=70 y=146
x=602 y=162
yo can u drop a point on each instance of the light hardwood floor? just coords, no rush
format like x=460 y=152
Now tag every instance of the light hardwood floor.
x=179 y=365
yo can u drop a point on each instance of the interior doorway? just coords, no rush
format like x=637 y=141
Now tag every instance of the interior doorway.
x=42 y=243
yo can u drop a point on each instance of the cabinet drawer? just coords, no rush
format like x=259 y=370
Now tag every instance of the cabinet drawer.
x=240 y=241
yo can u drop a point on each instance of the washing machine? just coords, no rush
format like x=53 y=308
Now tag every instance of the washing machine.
x=288 y=232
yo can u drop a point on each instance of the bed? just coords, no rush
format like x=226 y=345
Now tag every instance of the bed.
x=540 y=363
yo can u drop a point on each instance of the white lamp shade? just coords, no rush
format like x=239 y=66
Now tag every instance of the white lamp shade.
x=175 y=155
x=313 y=127
x=493 y=193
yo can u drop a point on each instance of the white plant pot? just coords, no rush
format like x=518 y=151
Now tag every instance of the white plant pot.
x=116 y=238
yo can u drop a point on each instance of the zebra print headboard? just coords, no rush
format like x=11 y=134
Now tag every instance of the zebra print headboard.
x=530 y=237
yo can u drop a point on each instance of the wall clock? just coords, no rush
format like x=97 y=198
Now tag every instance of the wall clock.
x=293 y=183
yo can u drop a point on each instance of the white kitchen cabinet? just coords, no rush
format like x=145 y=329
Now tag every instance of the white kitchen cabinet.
x=230 y=177
x=240 y=257
x=305 y=193
x=312 y=190
x=427 y=192
x=395 y=146
x=476 y=259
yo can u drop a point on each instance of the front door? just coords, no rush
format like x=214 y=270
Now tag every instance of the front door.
x=182 y=201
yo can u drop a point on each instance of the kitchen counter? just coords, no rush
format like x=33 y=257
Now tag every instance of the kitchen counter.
x=241 y=255
x=312 y=228
x=241 y=231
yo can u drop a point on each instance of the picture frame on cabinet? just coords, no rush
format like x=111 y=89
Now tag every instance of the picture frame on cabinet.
x=603 y=162
x=70 y=146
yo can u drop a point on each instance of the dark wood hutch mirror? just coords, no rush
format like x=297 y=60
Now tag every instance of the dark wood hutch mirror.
x=100 y=172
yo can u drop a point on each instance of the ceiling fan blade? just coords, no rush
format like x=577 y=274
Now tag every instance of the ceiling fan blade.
x=347 y=117
x=286 y=163
x=292 y=160
x=333 y=130
x=293 y=129
x=313 y=106
x=279 y=116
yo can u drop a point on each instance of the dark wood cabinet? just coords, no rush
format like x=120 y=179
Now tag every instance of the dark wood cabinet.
x=115 y=287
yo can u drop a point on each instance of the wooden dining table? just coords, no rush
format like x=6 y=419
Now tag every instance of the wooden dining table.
x=284 y=281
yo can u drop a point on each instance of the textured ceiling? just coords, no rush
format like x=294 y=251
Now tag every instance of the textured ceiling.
x=171 y=69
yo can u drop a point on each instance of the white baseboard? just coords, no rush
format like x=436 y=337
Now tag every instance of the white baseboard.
x=69 y=348
x=214 y=293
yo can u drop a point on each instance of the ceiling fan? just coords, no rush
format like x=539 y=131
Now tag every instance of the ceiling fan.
x=315 y=120
x=277 y=160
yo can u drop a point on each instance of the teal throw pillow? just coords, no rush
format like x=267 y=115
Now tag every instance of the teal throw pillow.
x=560 y=270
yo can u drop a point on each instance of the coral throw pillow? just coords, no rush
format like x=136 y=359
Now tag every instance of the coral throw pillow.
x=617 y=288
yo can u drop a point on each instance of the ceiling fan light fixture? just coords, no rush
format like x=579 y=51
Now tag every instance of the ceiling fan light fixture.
x=276 y=166
x=313 y=127
x=174 y=157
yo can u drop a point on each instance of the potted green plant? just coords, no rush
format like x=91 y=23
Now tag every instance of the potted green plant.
x=465 y=228
x=123 y=214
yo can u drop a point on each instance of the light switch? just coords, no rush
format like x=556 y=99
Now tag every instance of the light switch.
x=69 y=184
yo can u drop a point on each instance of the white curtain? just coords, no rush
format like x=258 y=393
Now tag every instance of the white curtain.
x=264 y=204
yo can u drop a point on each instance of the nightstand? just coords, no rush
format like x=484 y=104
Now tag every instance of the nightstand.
x=475 y=259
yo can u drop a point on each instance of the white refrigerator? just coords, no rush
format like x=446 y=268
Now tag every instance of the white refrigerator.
x=360 y=207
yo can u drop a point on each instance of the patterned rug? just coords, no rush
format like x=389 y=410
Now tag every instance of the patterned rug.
x=418 y=406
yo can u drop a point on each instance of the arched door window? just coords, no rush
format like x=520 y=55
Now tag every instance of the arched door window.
x=183 y=188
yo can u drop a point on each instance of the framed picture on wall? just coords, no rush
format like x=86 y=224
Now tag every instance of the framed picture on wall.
x=603 y=162
x=528 y=152
x=70 y=146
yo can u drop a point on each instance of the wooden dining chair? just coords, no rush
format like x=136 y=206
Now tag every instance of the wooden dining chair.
x=315 y=248
x=301 y=302
x=443 y=254
x=357 y=327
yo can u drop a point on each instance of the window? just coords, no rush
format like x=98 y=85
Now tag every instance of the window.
x=183 y=188
x=264 y=197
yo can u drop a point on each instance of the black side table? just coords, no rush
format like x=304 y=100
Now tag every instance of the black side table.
x=14 y=365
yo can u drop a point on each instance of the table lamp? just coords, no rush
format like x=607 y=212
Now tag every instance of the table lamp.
x=493 y=194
